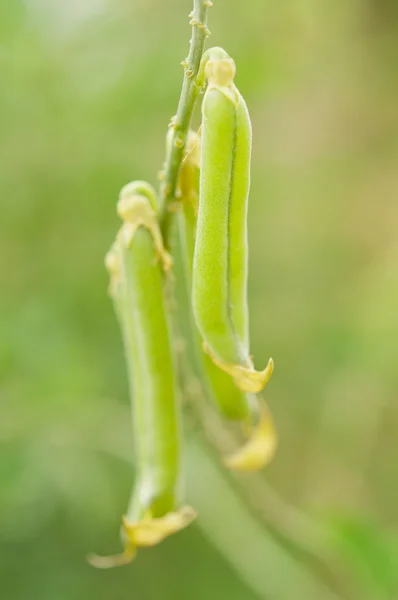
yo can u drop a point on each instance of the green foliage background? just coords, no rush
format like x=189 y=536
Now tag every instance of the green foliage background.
x=87 y=89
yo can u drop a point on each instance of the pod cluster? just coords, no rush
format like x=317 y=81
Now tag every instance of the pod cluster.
x=213 y=190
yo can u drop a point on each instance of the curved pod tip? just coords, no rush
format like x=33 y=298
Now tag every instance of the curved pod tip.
x=250 y=380
x=259 y=450
x=151 y=531
x=246 y=379
x=116 y=560
x=144 y=534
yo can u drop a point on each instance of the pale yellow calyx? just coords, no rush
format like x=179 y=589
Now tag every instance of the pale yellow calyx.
x=259 y=450
x=136 y=211
x=220 y=71
x=246 y=379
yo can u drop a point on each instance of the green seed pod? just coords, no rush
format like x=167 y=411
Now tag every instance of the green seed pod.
x=232 y=402
x=219 y=293
x=136 y=261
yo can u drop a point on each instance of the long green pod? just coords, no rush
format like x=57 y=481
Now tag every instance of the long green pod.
x=219 y=292
x=137 y=261
x=231 y=401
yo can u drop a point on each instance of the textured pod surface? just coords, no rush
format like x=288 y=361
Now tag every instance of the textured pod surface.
x=211 y=291
x=220 y=265
x=151 y=375
x=231 y=401
x=137 y=262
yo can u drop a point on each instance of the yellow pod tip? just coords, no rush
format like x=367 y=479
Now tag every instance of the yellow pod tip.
x=259 y=450
x=250 y=380
x=246 y=379
x=144 y=534
x=150 y=531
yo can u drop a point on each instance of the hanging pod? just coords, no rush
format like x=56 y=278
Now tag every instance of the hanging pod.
x=137 y=262
x=219 y=292
x=221 y=254
x=232 y=402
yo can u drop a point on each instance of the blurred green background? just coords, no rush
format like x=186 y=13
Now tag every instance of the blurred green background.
x=87 y=89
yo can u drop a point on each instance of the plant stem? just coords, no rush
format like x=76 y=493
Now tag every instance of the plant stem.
x=180 y=123
x=259 y=561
